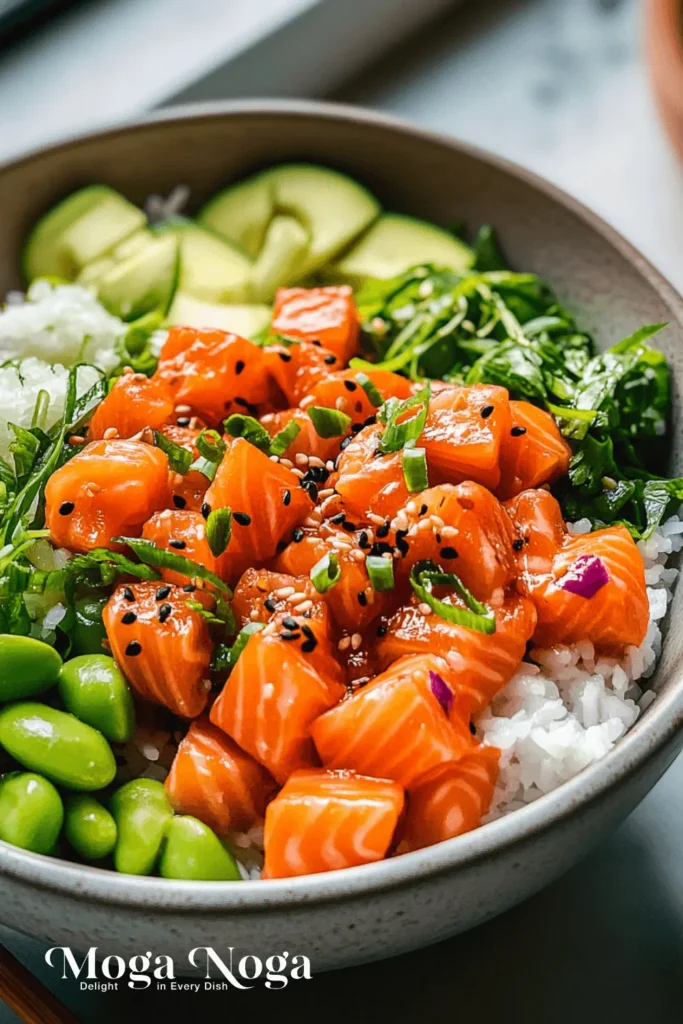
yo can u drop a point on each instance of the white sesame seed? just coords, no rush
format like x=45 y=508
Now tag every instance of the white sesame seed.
x=358 y=555
x=327 y=492
x=329 y=466
x=304 y=606
x=313 y=520
x=313 y=460
x=436 y=522
x=284 y=592
x=298 y=473
x=254 y=614
x=424 y=609
x=206 y=685
x=287 y=463
x=110 y=433
x=340 y=403
x=274 y=458
x=356 y=641
x=301 y=459
x=411 y=508
x=296 y=599
x=76 y=439
x=183 y=409
x=448 y=532
x=377 y=520
x=344 y=643
x=425 y=524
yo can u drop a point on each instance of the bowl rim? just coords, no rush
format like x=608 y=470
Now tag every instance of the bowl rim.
x=650 y=733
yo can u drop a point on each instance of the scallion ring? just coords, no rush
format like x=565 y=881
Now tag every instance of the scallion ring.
x=425 y=575
x=328 y=422
x=380 y=572
x=326 y=573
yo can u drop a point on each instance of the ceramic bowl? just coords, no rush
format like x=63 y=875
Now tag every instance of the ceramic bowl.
x=347 y=917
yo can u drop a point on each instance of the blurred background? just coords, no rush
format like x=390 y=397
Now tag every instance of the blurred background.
x=574 y=90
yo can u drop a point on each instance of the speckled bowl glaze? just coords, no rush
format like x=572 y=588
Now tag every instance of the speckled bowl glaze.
x=347 y=917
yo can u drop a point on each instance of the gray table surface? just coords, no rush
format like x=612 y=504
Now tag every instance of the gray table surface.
x=558 y=85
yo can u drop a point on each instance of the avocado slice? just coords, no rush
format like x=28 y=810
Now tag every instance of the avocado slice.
x=284 y=248
x=211 y=268
x=141 y=279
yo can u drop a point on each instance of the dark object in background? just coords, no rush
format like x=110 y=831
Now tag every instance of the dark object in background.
x=18 y=17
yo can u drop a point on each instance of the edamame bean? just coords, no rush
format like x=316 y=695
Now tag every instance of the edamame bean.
x=89 y=827
x=88 y=630
x=142 y=812
x=57 y=745
x=27 y=667
x=192 y=851
x=95 y=690
x=31 y=812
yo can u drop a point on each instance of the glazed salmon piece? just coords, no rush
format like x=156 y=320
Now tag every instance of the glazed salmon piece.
x=327 y=315
x=161 y=645
x=134 y=402
x=367 y=481
x=183 y=532
x=352 y=601
x=266 y=499
x=394 y=727
x=464 y=433
x=269 y=701
x=463 y=529
x=308 y=441
x=187 y=489
x=533 y=452
x=343 y=392
x=213 y=779
x=538 y=522
x=616 y=615
x=214 y=372
x=479 y=664
x=326 y=820
x=109 y=489
x=451 y=800
x=298 y=366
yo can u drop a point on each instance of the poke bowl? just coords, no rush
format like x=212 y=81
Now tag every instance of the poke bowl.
x=339 y=543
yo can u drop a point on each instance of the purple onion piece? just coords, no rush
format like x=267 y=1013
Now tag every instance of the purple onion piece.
x=441 y=691
x=585 y=577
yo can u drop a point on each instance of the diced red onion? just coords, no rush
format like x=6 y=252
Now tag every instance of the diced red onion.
x=441 y=691
x=585 y=577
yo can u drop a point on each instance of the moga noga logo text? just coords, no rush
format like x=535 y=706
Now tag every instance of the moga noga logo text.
x=141 y=971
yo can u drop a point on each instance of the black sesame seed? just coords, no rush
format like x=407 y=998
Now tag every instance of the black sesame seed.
x=311 y=490
x=345 y=443
x=183 y=421
x=163 y=592
x=402 y=546
x=381 y=631
x=251 y=409
x=129 y=618
x=448 y=553
x=290 y=623
x=281 y=545
x=350 y=385
x=473 y=729
x=370 y=421
x=363 y=540
x=66 y=508
x=180 y=545
x=518 y=544
x=286 y=497
x=317 y=342
x=309 y=645
x=423 y=510
x=486 y=412
x=518 y=431
x=330 y=359
x=128 y=594
x=348 y=526
x=382 y=531
x=381 y=548
x=206 y=510
x=239 y=366
x=133 y=649
x=356 y=428
x=308 y=632
x=285 y=357
x=288 y=635
x=179 y=501
x=269 y=605
x=338 y=519
x=438 y=538
x=297 y=535
x=400 y=534
x=362 y=598
x=242 y=518
x=165 y=611
x=189 y=588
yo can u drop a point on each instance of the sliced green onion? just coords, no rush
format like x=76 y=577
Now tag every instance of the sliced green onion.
x=328 y=422
x=282 y=440
x=219 y=530
x=40 y=410
x=370 y=390
x=102 y=567
x=414 y=462
x=380 y=572
x=179 y=458
x=160 y=558
x=426 y=575
x=211 y=447
x=400 y=431
x=239 y=425
x=225 y=657
x=326 y=573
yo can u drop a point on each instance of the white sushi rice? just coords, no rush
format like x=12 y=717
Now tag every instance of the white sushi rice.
x=567 y=706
